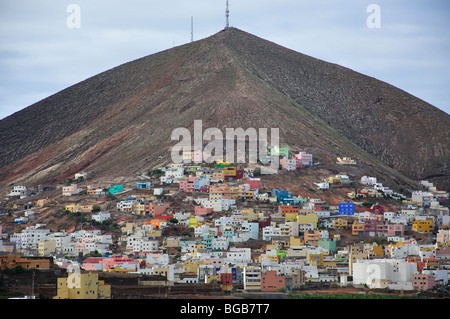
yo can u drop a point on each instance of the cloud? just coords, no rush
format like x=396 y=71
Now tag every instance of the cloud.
x=40 y=55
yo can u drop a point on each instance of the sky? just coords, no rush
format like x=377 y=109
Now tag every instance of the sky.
x=49 y=45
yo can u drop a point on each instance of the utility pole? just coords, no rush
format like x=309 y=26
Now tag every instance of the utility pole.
x=227 y=15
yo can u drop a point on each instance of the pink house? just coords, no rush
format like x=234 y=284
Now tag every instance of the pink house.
x=289 y=164
x=270 y=281
x=188 y=184
x=423 y=281
x=156 y=209
x=396 y=230
x=111 y=262
x=93 y=264
x=201 y=211
x=304 y=158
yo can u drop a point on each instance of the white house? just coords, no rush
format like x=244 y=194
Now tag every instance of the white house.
x=101 y=217
x=220 y=243
x=368 y=180
x=269 y=232
x=322 y=185
x=73 y=189
x=18 y=191
x=384 y=273
x=141 y=244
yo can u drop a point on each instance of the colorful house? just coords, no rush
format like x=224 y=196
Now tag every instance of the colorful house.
x=282 y=151
x=115 y=189
x=358 y=229
x=288 y=209
x=82 y=286
x=270 y=281
x=310 y=218
x=346 y=209
x=143 y=185
x=255 y=183
x=423 y=226
x=201 y=211
x=304 y=158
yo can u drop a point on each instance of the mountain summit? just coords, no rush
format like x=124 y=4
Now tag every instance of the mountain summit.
x=119 y=122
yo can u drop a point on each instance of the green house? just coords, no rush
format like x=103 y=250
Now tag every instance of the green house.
x=115 y=189
x=327 y=244
x=282 y=151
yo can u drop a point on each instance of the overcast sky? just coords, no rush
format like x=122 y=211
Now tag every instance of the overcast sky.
x=45 y=48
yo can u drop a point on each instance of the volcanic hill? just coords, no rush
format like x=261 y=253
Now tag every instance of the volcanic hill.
x=120 y=121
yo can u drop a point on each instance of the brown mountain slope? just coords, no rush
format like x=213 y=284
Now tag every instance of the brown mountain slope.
x=118 y=122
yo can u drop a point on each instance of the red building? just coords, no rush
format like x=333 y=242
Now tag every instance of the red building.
x=377 y=209
x=226 y=279
x=270 y=281
x=255 y=183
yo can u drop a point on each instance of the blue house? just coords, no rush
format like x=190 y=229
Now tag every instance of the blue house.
x=346 y=209
x=281 y=195
x=145 y=185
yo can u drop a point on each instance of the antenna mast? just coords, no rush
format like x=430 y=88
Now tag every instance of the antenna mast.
x=192 y=29
x=227 y=15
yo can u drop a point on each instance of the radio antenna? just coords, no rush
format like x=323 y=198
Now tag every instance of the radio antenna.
x=227 y=15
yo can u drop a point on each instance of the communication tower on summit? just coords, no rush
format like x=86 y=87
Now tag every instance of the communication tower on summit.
x=227 y=15
x=192 y=29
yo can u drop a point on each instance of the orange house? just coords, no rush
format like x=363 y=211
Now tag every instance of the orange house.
x=156 y=223
x=311 y=237
x=288 y=209
x=358 y=229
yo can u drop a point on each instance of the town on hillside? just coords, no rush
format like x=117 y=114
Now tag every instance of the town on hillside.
x=219 y=229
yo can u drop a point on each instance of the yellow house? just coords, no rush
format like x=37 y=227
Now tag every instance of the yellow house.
x=271 y=257
x=46 y=247
x=155 y=233
x=309 y=218
x=42 y=202
x=140 y=209
x=333 y=179
x=229 y=171
x=291 y=217
x=193 y=222
x=82 y=286
x=249 y=214
x=295 y=241
x=210 y=278
x=77 y=208
x=250 y=195
x=73 y=208
x=118 y=269
x=191 y=267
x=423 y=226
x=315 y=259
x=340 y=223
x=377 y=250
